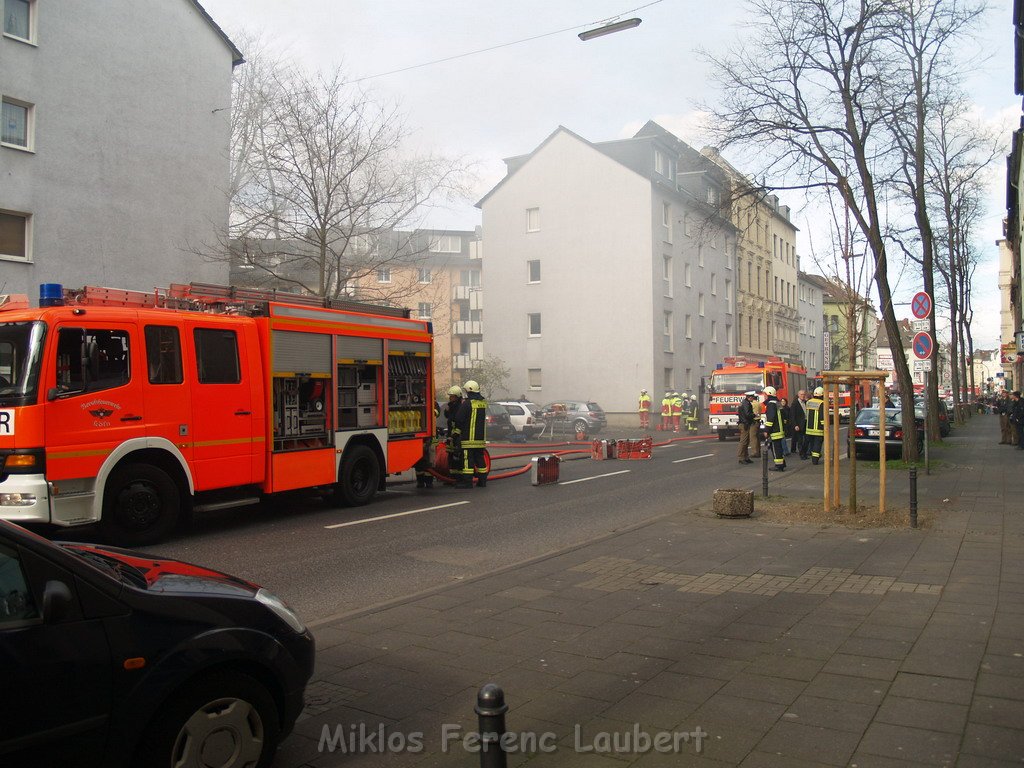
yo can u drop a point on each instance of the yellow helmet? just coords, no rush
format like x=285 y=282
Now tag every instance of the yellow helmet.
x=472 y=386
x=818 y=391
x=770 y=391
x=456 y=391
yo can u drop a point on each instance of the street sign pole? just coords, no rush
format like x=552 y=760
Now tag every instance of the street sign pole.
x=927 y=465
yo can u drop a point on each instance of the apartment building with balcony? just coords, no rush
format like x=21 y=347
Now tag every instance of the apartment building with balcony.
x=809 y=310
x=114 y=131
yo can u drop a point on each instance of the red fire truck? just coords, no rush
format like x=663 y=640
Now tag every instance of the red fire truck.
x=848 y=397
x=736 y=375
x=133 y=409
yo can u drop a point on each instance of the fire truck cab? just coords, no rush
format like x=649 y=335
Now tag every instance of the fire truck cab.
x=134 y=409
x=735 y=376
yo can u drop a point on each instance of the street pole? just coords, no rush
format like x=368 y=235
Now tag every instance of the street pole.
x=927 y=466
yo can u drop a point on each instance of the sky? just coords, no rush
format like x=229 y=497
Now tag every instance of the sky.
x=501 y=103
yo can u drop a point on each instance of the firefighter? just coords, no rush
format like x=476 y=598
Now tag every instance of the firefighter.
x=691 y=414
x=677 y=409
x=455 y=396
x=469 y=438
x=644 y=407
x=815 y=424
x=666 y=412
x=745 y=421
x=774 y=426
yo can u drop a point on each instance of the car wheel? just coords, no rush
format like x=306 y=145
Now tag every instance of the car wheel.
x=141 y=505
x=228 y=719
x=360 y=476
x=580 y=425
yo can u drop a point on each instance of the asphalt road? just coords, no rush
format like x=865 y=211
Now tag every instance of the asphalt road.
x=408 y=540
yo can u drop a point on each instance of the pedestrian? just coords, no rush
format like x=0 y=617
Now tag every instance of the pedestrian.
x=755 y=428
x=1017 y=418
x=469 y=437
x=644 y=406
x=691 y=415
x=744 y=421
x=1003 y=408
x=774 y=426
x=784 y=409
x=798 y=414
x=816 y=424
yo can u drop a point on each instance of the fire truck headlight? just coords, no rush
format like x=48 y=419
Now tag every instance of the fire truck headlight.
x=17 y=499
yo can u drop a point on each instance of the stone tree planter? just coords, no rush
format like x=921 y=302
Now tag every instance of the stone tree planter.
x=732 y=502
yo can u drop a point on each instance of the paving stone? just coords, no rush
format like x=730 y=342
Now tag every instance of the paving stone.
x=944 y=657
x=922 y=713
x=862 y=666
x=861 y=690
x=915 y=744
x=932 y=688
x=689 y=688
x=830 y=713
x=750 y=713
x=994 y=742
x=658 y=711
x=999 y=686
x=809 y=742
x=789 y=667
x=771 y=689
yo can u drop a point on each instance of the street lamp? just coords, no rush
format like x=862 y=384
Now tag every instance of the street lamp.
x=609 y=29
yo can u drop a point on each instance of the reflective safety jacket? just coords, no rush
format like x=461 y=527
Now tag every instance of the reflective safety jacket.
x=666 y=406
x=471 y=421
x=691 y=410
x=815 y=416
x=644 y=404
x=774 y=424
x=677 y=406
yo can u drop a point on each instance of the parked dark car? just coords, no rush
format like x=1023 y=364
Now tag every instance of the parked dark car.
x=866 y=432
x=574 y=416
x=945 y=425
x=499 y=423
x=112 y=658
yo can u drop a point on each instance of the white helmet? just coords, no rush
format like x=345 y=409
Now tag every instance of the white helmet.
x=684 y=395
x=472 y=386
x=693 y=397
x=818 y=391
x=457 y=391
x=770 y=391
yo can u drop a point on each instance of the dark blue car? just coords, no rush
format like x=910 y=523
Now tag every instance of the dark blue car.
x=115 y=658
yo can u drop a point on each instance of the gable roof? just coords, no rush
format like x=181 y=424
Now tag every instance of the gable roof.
x=236 y=55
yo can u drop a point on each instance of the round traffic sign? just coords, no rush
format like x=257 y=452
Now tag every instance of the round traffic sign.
x=922 y=346
x=921 y=305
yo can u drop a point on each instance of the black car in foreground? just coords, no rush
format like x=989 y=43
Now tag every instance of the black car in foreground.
x=867 y=431
x=111 y=658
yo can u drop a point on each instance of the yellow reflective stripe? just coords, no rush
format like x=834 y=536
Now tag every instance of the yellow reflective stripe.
x=77 y=454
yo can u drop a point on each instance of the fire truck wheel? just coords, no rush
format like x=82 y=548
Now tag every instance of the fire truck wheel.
x=360 y=476
x=140 y=505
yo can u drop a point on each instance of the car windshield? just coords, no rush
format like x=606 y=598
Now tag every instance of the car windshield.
x=21 y=347
x=736 y=383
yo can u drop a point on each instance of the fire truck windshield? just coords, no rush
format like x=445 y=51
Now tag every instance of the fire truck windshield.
x=21 y=352
x=736 y=383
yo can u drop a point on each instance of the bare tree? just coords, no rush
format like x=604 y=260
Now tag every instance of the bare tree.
x=812 y=110
x=323 y=182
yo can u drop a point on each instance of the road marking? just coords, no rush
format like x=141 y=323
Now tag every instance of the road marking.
x=693 y=458
x=397 y=514
x=595 y=477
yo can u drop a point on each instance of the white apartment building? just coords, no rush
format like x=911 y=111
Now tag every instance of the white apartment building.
x=810 y=323
x=114 y=142
x=610 y=268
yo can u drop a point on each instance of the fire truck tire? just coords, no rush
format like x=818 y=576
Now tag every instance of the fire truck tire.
x=359 y=477
x=141 y=505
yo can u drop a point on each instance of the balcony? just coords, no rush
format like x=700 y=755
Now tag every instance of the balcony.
x=465 y=362
x=468 y=328
x=464 y=292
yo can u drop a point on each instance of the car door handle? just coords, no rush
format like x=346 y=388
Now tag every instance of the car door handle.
x=243 y=413
x=131 y=418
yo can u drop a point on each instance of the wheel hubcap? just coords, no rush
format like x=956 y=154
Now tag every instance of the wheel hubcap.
x=226 y=733
x=138 y=505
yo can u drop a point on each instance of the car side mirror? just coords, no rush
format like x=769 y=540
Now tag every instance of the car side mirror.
x=57 y=600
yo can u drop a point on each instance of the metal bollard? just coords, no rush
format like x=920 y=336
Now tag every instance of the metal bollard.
x=490 y=709
x=913 y=497
x=764 y=469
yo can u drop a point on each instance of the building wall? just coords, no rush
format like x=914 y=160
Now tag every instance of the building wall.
x=809 y=307
x=130 y=150
x=785 y=266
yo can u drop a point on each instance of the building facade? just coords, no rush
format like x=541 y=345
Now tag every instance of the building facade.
x=610 y=268
x=809 y=310
x=1010 y=358
x=114 y=155
x=849 y=326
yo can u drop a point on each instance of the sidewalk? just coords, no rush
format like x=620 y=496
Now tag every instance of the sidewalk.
x=786 y=645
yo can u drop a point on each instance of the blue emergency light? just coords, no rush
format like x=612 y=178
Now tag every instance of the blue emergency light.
x=51 y=295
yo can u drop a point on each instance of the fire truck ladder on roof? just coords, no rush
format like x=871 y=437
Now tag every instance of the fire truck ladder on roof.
x=208 y=297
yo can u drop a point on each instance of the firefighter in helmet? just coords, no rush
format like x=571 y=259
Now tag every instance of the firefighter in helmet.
x=644 y=408
x=666 y=412
x=469 y=437
x=677 y=409
x=774 y=427
x=815 y=424
x=691 y=414
x=455 y=395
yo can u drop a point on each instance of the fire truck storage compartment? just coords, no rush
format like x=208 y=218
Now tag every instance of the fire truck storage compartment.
x=360 y=362
x=407 y=386
x=301 y=390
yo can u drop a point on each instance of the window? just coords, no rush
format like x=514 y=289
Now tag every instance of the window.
x=663 y=165
x=469 y=277
x=533 y=219
x=714 y=332
x=750 y=277
x=534 y=319
x=728 y=336
x=16 y=603
x=533 y=271
x=714 y=284
x=384 y=275
x=217 y=356
x=728 y=290
x=667 y=380
x=700 y=348
x=689 y=327
x=447 y=244
x=700 y=304
x=424 y=310
x=19 y=18
x=666 y=214
x=533 y=378
x=666 y=332
x=686 y=276
x=712 y=196
x=423 y=275
x=163 y=354
x=666 y=276
x=687 y=228
x=16 y=124
x=91 y=359
x=700 y=255
x=14 y=235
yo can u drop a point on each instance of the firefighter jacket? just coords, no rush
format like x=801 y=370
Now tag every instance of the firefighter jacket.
x=677 y=406
x=745 y=414
x=450 y=409
x=471 y=421
x=691 y=410
x=644 y=404
x=815 y=416
x=774 y=423
x=666 y=406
